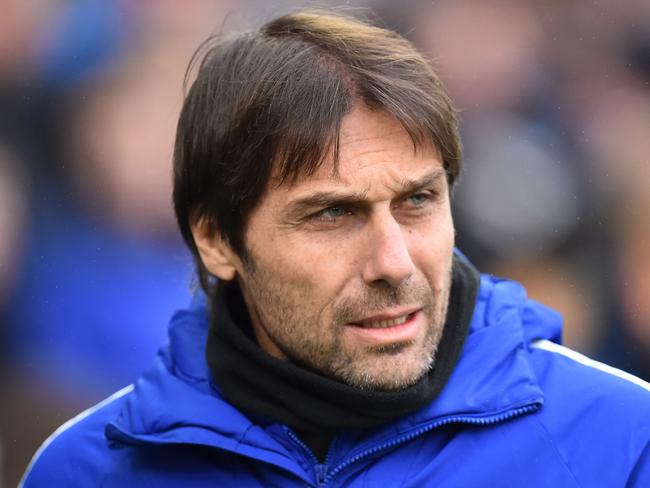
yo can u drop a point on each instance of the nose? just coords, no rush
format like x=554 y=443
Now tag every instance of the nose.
x=389 y=260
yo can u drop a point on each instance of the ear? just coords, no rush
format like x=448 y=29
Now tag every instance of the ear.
x=216 y=254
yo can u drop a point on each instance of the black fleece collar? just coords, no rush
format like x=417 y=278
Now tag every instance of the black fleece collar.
x=273 y=390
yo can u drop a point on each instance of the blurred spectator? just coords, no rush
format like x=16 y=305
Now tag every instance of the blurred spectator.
x=20 y=26
x=13 y=212
x=521 y=197
x=103 y=266
x=634 y=283
x=487 y=51
x=616 y=137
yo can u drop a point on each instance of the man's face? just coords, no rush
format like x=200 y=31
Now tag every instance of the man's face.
x=349 y=270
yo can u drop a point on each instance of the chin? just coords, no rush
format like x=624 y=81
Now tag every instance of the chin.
x=393 y=369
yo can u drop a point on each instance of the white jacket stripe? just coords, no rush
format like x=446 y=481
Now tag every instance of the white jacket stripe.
x=547 y=345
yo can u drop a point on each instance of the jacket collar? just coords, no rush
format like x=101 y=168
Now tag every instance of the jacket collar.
x=175 y=402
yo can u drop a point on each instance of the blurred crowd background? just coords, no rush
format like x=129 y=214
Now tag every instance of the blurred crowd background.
x=555 y=104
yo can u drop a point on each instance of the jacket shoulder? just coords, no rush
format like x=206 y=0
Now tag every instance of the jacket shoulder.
x=77 y=453
x=591 y=411
x=571 y=371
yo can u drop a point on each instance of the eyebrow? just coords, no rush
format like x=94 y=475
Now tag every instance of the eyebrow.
x=413 y=186
x=325 y=199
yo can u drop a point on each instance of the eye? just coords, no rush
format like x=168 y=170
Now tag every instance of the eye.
x=331 y=213
x=419 y=199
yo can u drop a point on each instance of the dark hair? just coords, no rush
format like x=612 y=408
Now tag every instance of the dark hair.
x=272 y=101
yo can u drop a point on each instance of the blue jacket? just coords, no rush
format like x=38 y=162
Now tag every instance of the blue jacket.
x=518 y=411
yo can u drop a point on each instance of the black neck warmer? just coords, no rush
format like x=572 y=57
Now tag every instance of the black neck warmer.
x=273 y=390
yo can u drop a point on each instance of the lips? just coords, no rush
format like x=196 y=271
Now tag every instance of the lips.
x=402 y=325
x=384 y=323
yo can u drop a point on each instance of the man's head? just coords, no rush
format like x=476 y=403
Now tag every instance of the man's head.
x=313 y=163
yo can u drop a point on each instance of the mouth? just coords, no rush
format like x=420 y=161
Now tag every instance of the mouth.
x=384 y=323
x=382 y=330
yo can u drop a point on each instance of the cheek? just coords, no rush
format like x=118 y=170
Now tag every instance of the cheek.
x=307 y=268
x=431 y=248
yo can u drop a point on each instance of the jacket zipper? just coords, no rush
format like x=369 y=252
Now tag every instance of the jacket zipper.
x=411 y=435
x=319 y=469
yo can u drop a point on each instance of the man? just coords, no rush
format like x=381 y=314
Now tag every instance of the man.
x=340 y=340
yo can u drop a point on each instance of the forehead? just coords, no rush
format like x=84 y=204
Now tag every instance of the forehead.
x=374 y=151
